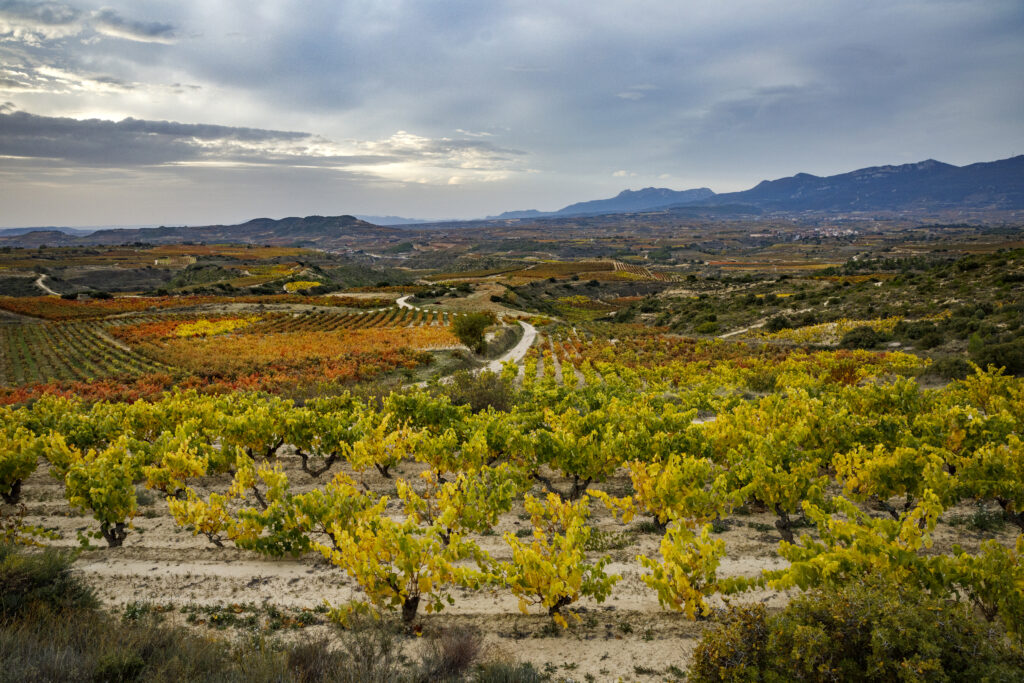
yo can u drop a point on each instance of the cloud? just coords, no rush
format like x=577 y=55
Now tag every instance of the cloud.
x=636 y=92
x=34 y=23
x=110 y=23
x=623 y=174
x=704 y=93
x=134 y=142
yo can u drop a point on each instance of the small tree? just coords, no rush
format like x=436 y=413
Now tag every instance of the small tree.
x=470 y=329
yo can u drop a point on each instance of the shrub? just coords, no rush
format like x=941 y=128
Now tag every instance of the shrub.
x=504 y=339
x=450 y=655
x=482 y=391
x=314 y=660
x=777 y=323
x=863 y=337
x=503 y=672
x=1009 y=355
x=873 y=631
x=371 y=650
x=951 y=367
x=88 y=645
x=43 y=579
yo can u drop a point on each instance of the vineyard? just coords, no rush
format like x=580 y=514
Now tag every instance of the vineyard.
x=56 y=308
x=67 y=351
x=638 y=482
x=669 y=468
x=273 y=351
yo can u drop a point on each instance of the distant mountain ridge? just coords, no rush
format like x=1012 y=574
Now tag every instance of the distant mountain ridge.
x=627 y=201
x=925 y=185
x=314 y=231
x=13 y=232
x=391 y=220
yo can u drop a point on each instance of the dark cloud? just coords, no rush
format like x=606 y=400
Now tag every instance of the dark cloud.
x=134 y=143
x=109 y=22
x=39 y=13
x=33 y=22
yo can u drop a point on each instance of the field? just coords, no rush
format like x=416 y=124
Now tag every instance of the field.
x=668 y=450
x=236 y=344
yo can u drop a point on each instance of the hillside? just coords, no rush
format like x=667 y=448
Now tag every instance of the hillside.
x=627 y=201
x=926 y=185
x=316 y=231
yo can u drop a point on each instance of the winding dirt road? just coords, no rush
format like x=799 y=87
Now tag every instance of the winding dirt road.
x=517 y=352
x=41 y=284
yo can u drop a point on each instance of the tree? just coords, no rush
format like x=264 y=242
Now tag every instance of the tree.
x=470 y=329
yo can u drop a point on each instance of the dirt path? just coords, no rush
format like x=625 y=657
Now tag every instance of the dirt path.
x=759 y=323
x=517 y=352
x=41 y=284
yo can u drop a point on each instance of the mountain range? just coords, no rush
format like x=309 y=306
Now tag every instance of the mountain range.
x=313 y=231
x=627 y=201
x=926 y=185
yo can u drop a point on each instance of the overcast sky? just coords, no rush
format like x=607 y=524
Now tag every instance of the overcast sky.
x=208 y=111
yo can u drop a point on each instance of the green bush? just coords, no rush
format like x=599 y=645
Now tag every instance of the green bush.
x=861 y=338
x=501 y=672
x=39 y=580
x=951 y=367
x=504 y=339
x=872 y=631
x=1009 y=355
x=89 y=645
x=481 y=391
x=706 y=327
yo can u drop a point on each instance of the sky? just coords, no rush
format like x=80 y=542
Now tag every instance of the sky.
x=194 y=112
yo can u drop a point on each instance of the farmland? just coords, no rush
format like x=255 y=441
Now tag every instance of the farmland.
x=684 y=439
